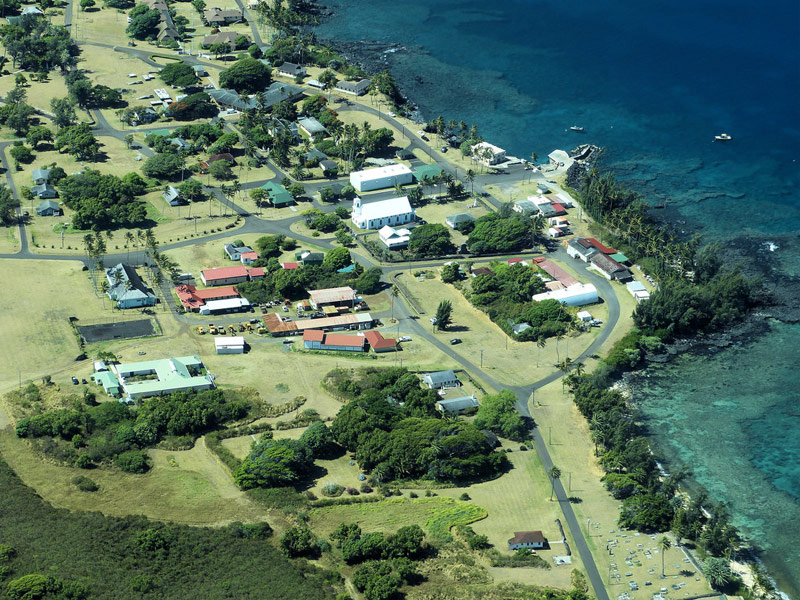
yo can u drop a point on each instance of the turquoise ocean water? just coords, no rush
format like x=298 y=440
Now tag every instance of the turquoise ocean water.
x=652 y=83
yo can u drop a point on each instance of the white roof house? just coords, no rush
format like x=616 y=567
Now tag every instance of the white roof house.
x=229 y=344
x=638 y=291
x=578 y=294
x=584 y=315
x=487 y=153
x=560 y=158
x=381 y=177
x=376 y=215
x=394 y=238
x=225 y=306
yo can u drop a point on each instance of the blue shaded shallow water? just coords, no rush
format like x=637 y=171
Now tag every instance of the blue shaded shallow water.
x=653 y=83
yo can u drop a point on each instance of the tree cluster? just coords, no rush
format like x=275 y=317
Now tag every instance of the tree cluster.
x=8 y=205
x=247 y=76
x=649 y=501
x=194 y=106
x=144 y=22
x=431 y=239
x=498 y=413
x=38 y=46
x=496 y=233
x=407 y=542
x=102 y=202
x=404 y=437
x=86 y=94
x=88 y=435
x=178 y=73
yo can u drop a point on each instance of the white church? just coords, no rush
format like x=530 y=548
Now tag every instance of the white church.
x=375 y=215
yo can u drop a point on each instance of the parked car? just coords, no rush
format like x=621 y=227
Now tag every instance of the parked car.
x=455 y=341
x=444 y=148
x=75 y=381
x=285 y=308
x=405 y=338
x=83 y=381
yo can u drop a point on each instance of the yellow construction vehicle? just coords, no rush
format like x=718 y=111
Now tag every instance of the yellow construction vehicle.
x=241 y=327
x=262 y=330
x=249 y=328
x=201 y=331
x=212 y=329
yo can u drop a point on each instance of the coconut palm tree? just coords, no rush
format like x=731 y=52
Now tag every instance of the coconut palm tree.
x=663 y=544
x=104 y=289
x=395 y=290
x=555 y=473
x=541 y=342
x=470 y=177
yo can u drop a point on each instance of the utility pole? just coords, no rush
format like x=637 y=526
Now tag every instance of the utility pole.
x=481 y=359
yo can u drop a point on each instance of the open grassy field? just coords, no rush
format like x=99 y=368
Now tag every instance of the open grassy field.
x=38 y=337
x=9 y=239
x=506 y=360
x=433 y=212
x=189 y=487
x=572 y=450
x=106 y=24
x=39 y=93
x=519 y=501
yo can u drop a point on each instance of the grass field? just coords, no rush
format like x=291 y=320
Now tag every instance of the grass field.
x=506 y=360
x=434 y=212
x=39 y=93
x=9 y=239
x=188 y=487
x=572 y=450
x=39 y=340
x=106 y=24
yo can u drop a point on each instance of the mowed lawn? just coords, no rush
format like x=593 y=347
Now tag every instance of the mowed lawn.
x=39 y=297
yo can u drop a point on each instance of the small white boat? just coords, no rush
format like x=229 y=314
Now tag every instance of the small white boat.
x=576 y=128
x=723 y=137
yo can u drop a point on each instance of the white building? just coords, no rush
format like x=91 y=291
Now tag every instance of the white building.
x=487 y=153
x=381 y=177
x=394 y=238
x=560 y=158
x=375 y=215
x=578 y=294
x=228 y=305
x=229 y=344
x=638 y=291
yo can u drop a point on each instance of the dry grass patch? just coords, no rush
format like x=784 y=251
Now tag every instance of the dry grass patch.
x=504 y=359
x=9 y=240
x=188 y=487
x=106 y=24
x=39 y=340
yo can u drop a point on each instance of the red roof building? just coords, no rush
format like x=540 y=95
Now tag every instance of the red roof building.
x=314 y=339
x=527 y=539
x=248 y=257
x=193 y=299
x=560 y=210
x=601 y=247
x=290 y=266
x=378 y=343
x=256 y=273
x=230 y=275
x=512 y=261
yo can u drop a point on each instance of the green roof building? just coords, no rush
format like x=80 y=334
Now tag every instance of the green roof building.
x=159 y=377
x=109 y=382
x=431 y=171
x=278 y=195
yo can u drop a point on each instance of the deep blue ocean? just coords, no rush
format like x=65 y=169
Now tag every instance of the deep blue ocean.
x=653 y=84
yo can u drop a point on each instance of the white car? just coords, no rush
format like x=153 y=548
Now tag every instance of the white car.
x=404 y=338
x=391 y=114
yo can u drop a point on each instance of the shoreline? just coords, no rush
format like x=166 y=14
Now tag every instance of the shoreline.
x=372 y=55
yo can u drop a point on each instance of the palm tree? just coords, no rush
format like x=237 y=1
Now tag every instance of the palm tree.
x=104 y=289
x=129 y=238
x=541 y=342
x=470 y=177
x=555 y=473
x=563 y=366
x=395 y=290
x=663 y=544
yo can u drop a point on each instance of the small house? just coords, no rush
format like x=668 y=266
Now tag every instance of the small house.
x=235 y=252
x=459 y=220
x=314 y=339
x=229 y=344
x=306 y=258
x=40 y=176
x=487 y=153
x=456 y=406
x=200 y=70
x=610 y=268
x=441 y=379
x=355 y=88
x=48 y=208
x=581 y=248
x=394 y=238
x=312 y=127
x=277 y=194
x=329 y=166
x=525 y=206
x=288 y=69
x=44 y=191
x=378 y=343
x=173 y=196
x=534 y=540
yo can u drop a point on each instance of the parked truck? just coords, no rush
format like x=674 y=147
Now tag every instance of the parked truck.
x=212 y=329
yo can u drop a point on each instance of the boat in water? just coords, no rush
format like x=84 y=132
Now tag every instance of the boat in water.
x=722 y=137
x=576 y=128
